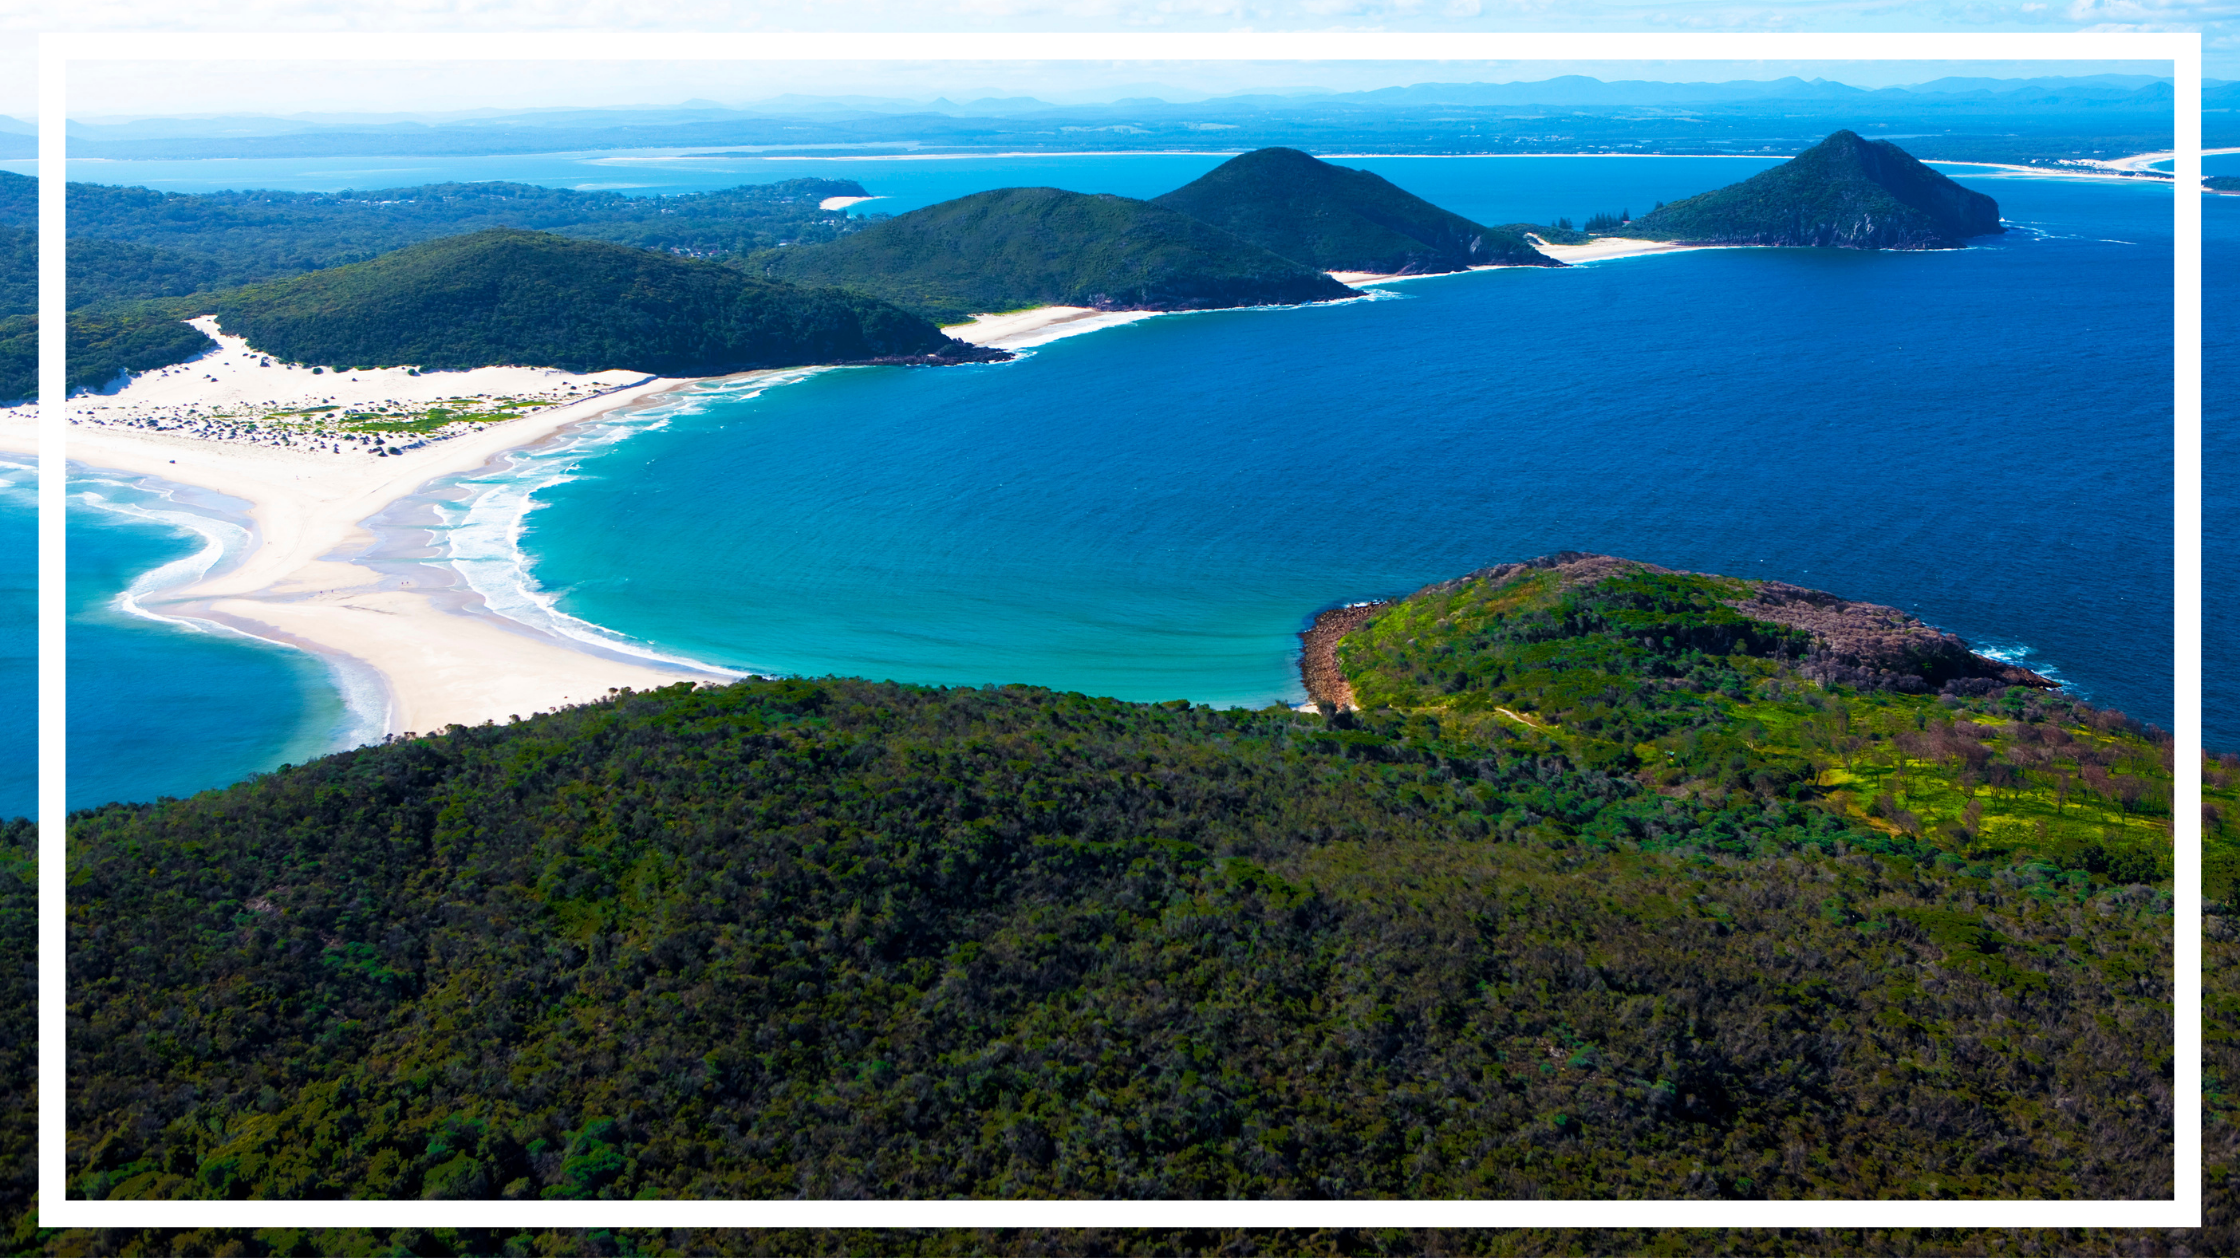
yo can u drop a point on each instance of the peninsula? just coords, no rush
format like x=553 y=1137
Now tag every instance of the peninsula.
x=506 y=296
x=1014 y=248
x=1599 y=894
x=1338 y=219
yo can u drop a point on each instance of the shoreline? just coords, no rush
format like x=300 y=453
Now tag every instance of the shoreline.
x=321 y=574
x=1040 y=325
x=1318 y=653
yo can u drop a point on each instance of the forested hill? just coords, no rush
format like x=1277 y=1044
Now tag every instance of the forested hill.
x=1844 y=191
x=1019 y=247
x=1592 y=899
x=130 y=243
x=1335 y=218
x=511 y=297
x=139 y=258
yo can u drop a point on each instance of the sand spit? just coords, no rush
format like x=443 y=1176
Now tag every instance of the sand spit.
x=306 y=578
x=1023 y=330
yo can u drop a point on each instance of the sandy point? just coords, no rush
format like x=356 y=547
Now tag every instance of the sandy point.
x=1605 y=247
x=442 y=656
x=1023 y=330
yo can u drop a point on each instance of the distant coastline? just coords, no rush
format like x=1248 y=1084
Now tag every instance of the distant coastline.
x=320 y=575
x=325 y=573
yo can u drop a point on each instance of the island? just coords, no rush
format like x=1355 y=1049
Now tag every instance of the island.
x=1845 y=191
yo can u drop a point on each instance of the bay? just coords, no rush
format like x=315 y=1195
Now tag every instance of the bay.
x=1153 y=511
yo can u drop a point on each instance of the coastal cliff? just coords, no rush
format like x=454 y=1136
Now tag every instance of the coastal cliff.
x=1846 y=191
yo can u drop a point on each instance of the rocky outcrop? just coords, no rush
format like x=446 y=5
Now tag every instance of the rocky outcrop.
x=1871 y=647
x=1318 y=656
x=1878 y=648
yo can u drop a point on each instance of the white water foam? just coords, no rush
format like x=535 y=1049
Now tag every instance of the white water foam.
x=363 y=695
x=481 y=536
x=2025 y=656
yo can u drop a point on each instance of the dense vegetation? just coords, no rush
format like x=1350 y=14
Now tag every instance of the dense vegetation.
x=133 y=243
x=507 y=296
x=134 y=251
x=1663 y=677
x=1844 y=191
x=835 y=938
x=97 y=347
x=1335 y=218
x=1019 y=247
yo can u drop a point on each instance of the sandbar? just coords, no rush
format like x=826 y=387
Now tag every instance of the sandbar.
x=1606 y=247
x=441 y=655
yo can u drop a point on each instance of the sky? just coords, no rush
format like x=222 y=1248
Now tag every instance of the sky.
x=113 y=91
x=123 y=92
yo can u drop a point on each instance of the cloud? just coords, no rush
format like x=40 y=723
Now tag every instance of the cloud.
x=2161 y=14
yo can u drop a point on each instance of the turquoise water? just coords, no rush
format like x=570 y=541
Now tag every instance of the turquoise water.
x=156 y=707
x=2211 y=164
x=1154 y=511
x=19 y=643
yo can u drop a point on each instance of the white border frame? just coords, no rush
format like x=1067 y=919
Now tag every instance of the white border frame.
x=2183 y=50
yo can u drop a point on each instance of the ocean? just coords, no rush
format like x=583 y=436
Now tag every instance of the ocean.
x=1980 y=437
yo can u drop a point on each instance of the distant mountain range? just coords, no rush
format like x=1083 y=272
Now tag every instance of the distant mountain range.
x=1990 y=119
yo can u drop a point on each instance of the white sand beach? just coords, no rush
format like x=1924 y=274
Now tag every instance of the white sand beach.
x=1607 y=247
x=842 y=203
x=1024 y=330
x=1359 y=279
x=441 y=655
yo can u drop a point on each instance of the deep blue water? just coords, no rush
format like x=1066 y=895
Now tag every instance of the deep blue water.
x=160 y=708
x=19 y=643
x=1153 y=511
x=1980 y=437
x=2220 y=460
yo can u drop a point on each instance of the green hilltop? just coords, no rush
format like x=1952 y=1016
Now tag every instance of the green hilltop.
x=506 y=296
x=1335 y=218
x=1617 y=885
x=1844 y=191
x=1013 y=248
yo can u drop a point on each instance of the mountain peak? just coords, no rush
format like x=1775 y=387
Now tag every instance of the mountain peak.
x=1336 y=218
x=1846 y=191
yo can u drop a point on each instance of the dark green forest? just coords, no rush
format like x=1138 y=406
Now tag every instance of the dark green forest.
x=1013 y=248
x=1845 y=191
x=140 y=260
x=827 y=937
x=128 y=244
x=510 y=296
x=1335 y=218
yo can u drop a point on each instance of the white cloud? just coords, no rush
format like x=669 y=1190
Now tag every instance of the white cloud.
x=2218 y=19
